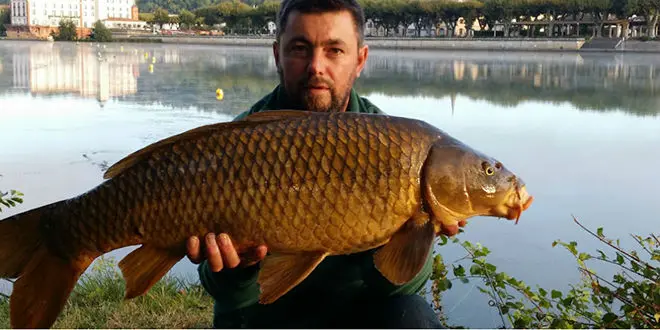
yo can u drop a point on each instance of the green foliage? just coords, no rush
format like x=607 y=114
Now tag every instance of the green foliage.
x=187 y=19
x=67 y=31
x=248 y=17
x=10 y=199
x=5 y=18
x=161 y=16
x=101 y=33
x=630 y=300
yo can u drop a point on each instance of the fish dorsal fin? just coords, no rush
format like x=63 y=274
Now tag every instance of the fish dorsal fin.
x=272 y=115
x=251 y=120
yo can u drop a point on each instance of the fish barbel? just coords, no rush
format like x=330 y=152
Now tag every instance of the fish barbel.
x=305 y=184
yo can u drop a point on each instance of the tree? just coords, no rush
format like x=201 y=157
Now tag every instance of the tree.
x=263 y=14
x=5 y=18
x=235 y=14
x=186 y=18
x=650 y=9
x=101 y=32
x=161 y=16
x=210 y=15
x=67 y=31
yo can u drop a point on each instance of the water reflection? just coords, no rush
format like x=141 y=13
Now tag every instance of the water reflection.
x=172 y=75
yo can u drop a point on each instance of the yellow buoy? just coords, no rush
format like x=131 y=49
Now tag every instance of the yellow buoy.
x=121 y=49
x=146 y=55
x=219 y=94
x=151 y=68
x=153 y=59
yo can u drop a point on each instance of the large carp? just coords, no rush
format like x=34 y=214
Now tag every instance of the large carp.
x=306 y=184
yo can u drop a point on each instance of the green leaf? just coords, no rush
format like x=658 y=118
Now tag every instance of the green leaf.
x=619 y=258
x=542 y=292
x=476 y=270
x=600 y=232
x=556 y=294
x=609 y=317
x=459 y=271
x=584 y=256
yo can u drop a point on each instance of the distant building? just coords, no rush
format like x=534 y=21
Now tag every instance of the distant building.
x=38 y=18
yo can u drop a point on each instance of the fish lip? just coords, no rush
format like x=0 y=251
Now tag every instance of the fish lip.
x=517 y=201
x=520 y=201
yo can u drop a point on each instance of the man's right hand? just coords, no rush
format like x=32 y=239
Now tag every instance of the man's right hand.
x=221 y=253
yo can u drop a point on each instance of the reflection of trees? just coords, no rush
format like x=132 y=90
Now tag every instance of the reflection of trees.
x=185 y=77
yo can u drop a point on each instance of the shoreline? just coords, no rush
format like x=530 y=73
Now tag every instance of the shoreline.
x=570 y=45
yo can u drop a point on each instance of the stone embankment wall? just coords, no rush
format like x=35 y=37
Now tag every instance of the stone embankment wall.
x=407 y=43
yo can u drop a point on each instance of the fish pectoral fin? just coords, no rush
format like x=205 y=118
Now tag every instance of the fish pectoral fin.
x=281 y=272
x=401 y=259
x=144 y=267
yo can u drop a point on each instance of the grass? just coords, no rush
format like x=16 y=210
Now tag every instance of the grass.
x=98 y=302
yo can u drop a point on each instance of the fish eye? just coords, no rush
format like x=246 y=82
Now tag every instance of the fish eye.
x=487 y=168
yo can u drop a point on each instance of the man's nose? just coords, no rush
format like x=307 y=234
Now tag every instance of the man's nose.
x=317 y=63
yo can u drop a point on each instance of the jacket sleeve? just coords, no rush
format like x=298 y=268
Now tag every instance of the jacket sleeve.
x=231 y=289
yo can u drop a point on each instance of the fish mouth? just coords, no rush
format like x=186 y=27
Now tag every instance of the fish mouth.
x=518 y=201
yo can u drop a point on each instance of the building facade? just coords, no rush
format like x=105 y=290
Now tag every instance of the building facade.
x=42 y=16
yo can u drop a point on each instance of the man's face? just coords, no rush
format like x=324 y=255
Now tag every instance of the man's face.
x=318 y=59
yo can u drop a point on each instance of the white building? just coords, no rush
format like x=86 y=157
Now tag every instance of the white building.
x=84 y=13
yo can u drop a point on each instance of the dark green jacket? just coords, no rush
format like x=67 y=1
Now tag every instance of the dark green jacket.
x=338 y=279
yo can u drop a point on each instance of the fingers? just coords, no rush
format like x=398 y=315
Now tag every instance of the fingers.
x=254 y=256
x=228 y=252
x=213 y=253
x=221 y=253
x=192 y=250
x=453 y=229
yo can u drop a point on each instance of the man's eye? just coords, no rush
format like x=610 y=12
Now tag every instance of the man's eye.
x=336 y=51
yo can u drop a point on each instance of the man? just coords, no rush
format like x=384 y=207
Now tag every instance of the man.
x=319 y=52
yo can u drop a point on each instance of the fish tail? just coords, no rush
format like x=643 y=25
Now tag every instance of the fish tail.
x=44 y=279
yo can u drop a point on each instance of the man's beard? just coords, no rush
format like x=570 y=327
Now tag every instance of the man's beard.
x=300 y=99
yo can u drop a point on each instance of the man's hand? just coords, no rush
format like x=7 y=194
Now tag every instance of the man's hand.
x=221 y=253
x=451 y=230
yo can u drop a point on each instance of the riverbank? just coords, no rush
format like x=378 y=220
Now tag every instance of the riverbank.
x=460 y=44
x=476 y=44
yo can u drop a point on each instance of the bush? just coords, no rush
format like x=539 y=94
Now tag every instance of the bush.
x=101 y=33
x=631 y=299
x=67 y=31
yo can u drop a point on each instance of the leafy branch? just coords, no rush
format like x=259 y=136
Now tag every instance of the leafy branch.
x=11 y=198
x=630 y=300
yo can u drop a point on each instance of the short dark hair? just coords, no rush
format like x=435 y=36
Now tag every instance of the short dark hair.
x=321 y=6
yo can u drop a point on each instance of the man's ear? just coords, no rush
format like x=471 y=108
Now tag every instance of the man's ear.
x=363 y=53
x=276 y=54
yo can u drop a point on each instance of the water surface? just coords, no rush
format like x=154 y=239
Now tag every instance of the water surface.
x=582 y=130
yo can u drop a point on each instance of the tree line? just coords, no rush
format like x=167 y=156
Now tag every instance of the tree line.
x=425 y=15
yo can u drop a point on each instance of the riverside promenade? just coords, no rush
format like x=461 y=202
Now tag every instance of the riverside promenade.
x=477 y=44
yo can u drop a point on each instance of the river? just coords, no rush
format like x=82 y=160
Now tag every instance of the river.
x=582 y=130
